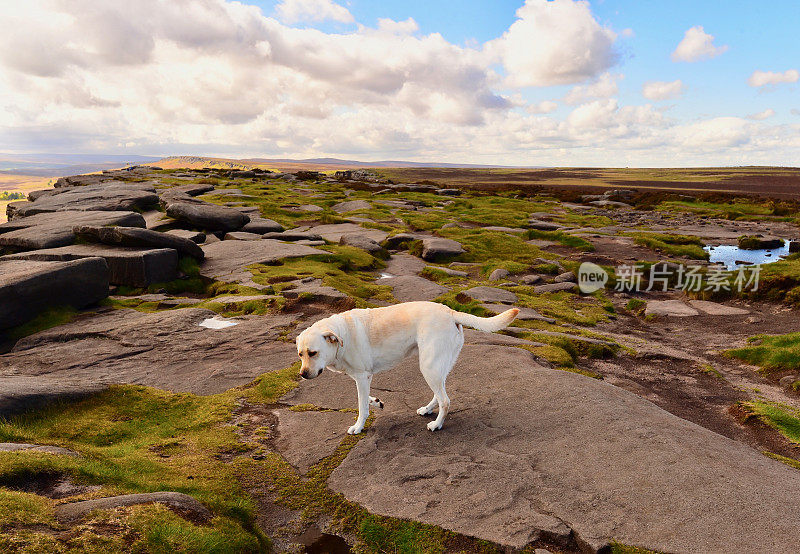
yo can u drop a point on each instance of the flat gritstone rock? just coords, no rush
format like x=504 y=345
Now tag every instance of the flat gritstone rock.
x=528 y=451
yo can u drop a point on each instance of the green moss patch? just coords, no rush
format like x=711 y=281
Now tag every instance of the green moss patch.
x=771 y=352
x=673 y=245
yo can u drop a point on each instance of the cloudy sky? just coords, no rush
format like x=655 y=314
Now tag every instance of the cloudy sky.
x=526 y=82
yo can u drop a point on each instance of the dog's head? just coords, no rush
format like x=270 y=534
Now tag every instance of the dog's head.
x=317 y=348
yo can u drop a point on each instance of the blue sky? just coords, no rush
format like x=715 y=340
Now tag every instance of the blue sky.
x=526 y=82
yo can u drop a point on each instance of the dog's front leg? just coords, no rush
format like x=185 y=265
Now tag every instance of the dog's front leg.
x=362 y=384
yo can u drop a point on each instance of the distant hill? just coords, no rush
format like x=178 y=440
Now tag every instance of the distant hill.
x=288 y=164
x=56 y=165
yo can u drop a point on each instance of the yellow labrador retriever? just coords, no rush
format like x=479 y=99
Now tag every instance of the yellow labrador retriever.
x=364 y=342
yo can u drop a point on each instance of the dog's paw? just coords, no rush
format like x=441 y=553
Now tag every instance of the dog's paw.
x=375 y=402
x=424 y=411
x=433 y=426
x=355 y=429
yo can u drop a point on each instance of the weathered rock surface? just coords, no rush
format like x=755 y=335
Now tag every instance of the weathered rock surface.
x=135 y=267
x=491 y=294
x=184 y=504
x=305 y=438
x=241 y=235
x=447 y=270
x=364 y=243
x=38 y=448
x=50 y=230
x=335 y=232
x=434 y=248
x=543 y=225
x=227 y=260
x=568 y=457
x=566 y=277
x=168 y=350
x=404 y=264
x=133 y=236
x=408 y=288
x=555 y=287
x=396 y=240
x=28 y=288
x=670 y=308
x=260 y=225
x=207 y=216
x=714 y=308
x=194 y=236
x=292 y=236
x=499 y=274
x=351 y=206
x=105 y=197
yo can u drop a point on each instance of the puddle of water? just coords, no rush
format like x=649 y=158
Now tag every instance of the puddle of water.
x=217 y=322
x=733 y=256
x=385 y=275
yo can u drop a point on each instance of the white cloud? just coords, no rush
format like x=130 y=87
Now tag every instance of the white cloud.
x=760 y=116
x=697 y=45
x=662 y=90
x=763 y=78
x=295 y=11
x=604 y=87
x=554 y=42
x=545 y=106
x=219 y=78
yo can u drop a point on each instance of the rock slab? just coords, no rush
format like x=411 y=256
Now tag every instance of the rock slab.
x=532 y=453
x=28 y=288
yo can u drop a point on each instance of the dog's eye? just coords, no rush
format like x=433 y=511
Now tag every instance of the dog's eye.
x=312 y=354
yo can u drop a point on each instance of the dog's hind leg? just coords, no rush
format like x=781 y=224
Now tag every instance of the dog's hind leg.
x=435 y=362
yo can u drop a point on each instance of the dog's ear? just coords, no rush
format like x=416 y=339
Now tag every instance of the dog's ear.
x=332 y=338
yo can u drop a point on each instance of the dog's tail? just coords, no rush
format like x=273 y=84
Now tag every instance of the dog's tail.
x=489 y=324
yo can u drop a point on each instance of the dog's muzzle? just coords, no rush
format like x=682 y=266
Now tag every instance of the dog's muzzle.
x=310 y=373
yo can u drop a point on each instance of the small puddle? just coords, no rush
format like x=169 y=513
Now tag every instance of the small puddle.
x=733 y=256
x=385 y=275
x=317 y=542
x=217 y=322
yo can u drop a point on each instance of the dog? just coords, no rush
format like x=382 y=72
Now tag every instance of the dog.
x=363 y=342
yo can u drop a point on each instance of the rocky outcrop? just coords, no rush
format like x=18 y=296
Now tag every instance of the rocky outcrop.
x=227 y=260
x=135 y=267
x=50 y=230
x=28 y=288
x=113 y=196
x=132 y=236
x=207 y=216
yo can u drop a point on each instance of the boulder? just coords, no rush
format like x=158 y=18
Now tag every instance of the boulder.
x=530 y=279
x=491 y=294
x=566 y=277
x=555 y=287
x=28 y=288
x=104 y=197
x=351 y=206
x=145 y=238
x=195 y=236
x=396 y=240
x=364 y=243
x=609 y=204
x=291 y=236
x=758 y=242
x=183 y=504
x=434 y=248
x=543 y=225
x=134 y=267
x=499 y=274
x=50 y=230
x=260 y=225
x=241 y=235
x=410 y=288
x=208 y=216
